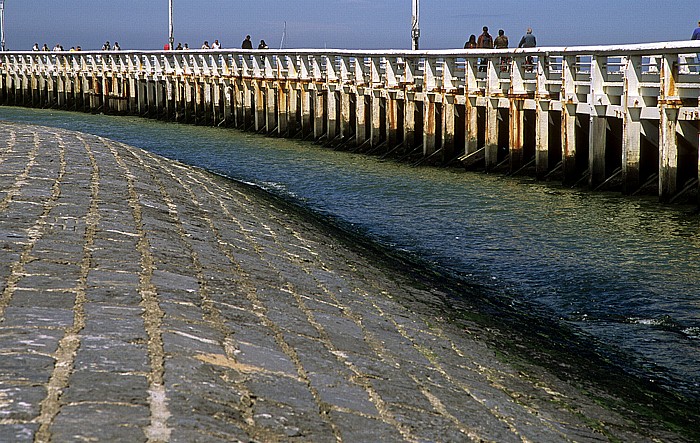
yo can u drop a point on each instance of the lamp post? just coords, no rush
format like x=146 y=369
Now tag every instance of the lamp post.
x=2 y=25
x=415 y=26
x=171 y=39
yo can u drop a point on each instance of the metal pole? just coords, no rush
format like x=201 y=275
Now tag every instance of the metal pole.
x=2 y=25
x=171 y=39
x=415 y=25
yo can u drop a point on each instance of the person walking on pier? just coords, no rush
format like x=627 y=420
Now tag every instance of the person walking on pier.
x=116 y=47
x=35 y=47
x=216 y=45
x=205 y=45
x=106 y=46
x=247 y=44
x=45 y=48
x=262 y=45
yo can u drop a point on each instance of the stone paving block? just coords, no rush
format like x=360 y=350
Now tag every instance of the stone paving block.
x=108 y=387
x=38 y=317
x=270 y=359
x=49 y=282
x=107 y=422
x=292 y=424
x=182 y=280
x=31 y=368
x=343 y=393
x=120 y=322
x=22 y=339
x=18 y=433
x=114 y=295
x=27 y=298
x=188 y=339
x=20 y=402
x=356 y=428
x=99 y=277
x=108 y=354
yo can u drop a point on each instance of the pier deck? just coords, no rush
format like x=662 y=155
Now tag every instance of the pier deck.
x=141 y=299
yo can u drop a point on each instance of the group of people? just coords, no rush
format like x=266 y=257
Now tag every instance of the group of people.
x=485 y=41
x=56 y=48
x=248 y=44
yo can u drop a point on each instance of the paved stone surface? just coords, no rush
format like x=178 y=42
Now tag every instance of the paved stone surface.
x=143 y=300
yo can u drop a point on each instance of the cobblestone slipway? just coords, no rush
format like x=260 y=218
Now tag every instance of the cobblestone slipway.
x=145 y=300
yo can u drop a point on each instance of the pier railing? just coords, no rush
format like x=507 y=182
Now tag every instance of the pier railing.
x=623 y=116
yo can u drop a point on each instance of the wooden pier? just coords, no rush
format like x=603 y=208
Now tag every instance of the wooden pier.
x=621 y=117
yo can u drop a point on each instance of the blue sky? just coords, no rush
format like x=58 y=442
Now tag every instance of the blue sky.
x=350 y=24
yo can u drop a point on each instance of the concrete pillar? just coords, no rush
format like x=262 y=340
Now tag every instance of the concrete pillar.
x=319 y=110
x=448 y=126
x=596 y=150
x=282 y=108
x=307 y=116
x=375 y=135
x=491 y=145
x=471 y=132
x=542 y=138
x=429 y=125
x=345 y=123
x=259 y=105
x=516 y=134
x=392 y=122
x=409 y=122
x=568 y=143
x=332 y=114
x=292 y=109
x=270 y=107
x=360 y=119
x=668 y=155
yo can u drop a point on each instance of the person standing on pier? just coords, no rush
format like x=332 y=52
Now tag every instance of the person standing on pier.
x=247 y=44
x=471 y=43
x=116 y=47
x=216 y=45
x=35 y=47
x=528 y=41
x=485 y=41
x=696 y=33
x=262 y=45
x=501 y=42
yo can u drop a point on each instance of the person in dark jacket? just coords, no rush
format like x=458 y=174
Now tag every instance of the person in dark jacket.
x=528 y=41
x=247 y=44
x=696 y=33
x=485 y=41
x=501 y=42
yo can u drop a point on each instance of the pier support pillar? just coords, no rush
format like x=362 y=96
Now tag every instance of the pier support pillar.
x=292 y=109
x=668 y=155
x=448 y=126
x=471 y=131
x=542 y=138
x=306 y=109
x=596 y=147
x=409 y=122
x=491 y=146
x=271 y=107
x=360 y=118
x=392 y=121
x=259 y=106
x=332 y=112
x=568 y=143
x=429 y=125
x=376 y=115
x=319 y=113
x=282 y=108
x=631 y=150
x=345 y=123
x=516 y=135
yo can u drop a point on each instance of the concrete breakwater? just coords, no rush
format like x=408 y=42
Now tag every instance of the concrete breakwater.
x=613 y=117
x=141 y=299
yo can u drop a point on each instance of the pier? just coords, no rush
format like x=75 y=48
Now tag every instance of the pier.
x=620 y=117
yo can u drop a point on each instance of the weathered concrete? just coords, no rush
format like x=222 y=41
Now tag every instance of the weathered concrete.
x=141 y=299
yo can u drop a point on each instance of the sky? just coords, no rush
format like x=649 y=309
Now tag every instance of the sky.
x=344 y=24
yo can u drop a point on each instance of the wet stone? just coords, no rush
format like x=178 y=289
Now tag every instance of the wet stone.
x=38 y=317
x=30 y=368
x=100 y=386
x=44 y=341
x=20 y=403
x=19 y=432
x=116 y=423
